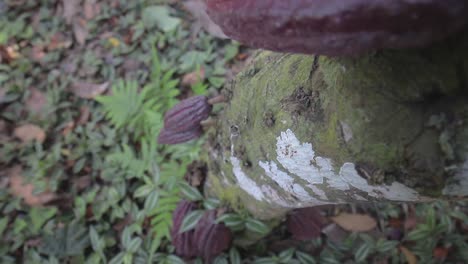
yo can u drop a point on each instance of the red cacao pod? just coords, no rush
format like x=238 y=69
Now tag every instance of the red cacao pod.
x=187 y=114
x=338 y=27
x=171 y=137
x=183 y=242
x=305 y=223
x=211 y=238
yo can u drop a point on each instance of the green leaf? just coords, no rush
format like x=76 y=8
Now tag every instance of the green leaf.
x=305 y=258
x=134 y=245
x=143 y=191
x=257 y=226
x=362 y=252
x=151 y=201
x=383 y=245
x=190 y=192
x=264 y=261
x=96 y=243
x=118 y=259
x=39 y=216
x=220 y=260
x=3 y=224
x=159 y=16
x=191 y=220
x=234 y=256
x=286 y=255
x=126 y=237
x=211 y=203
x=190 y=60
x=173 y=259
x=420 y=233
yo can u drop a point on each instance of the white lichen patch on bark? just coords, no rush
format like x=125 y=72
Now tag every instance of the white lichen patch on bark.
x=245 y=182
x=299 y=160
x=458 y=185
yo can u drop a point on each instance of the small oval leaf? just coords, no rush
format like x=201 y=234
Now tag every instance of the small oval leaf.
x=190 y=192
x=257 y=226
x=191 y=220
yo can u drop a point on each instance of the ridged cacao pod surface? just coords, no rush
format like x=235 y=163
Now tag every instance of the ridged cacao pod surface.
x=184 y=242
x=338 y=27
x=211 y=238
x=187 y=114
x=171 y=137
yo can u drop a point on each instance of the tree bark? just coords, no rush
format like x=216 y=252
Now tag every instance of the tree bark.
x=302 y=130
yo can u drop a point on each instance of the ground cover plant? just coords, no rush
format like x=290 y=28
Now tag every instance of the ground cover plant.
x=84 y=86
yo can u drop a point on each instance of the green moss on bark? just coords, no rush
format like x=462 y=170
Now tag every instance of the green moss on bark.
x=401 y=113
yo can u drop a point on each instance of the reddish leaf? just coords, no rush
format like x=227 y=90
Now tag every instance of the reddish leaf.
x=440 y=253
x=305 y=223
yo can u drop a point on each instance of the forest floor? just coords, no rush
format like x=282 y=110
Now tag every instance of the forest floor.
x=83 y=89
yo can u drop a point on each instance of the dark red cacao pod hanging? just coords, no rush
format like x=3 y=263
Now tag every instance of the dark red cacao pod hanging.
x=183 y=242
x=171 y=137
x=211 y=238
x=187 y=114
x=305 y=223
x=338 y=27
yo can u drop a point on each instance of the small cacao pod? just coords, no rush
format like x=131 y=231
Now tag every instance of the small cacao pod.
x=183 y=242
x=337 y=27
x=210 y=237
x=171 y=137
x=305 y=223
x=187 y=114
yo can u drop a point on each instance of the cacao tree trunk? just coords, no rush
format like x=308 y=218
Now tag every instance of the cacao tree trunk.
x=302 y=130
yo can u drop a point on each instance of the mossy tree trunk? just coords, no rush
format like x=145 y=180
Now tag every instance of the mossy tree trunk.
x=303 y=130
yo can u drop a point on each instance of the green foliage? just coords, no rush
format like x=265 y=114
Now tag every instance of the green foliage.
x=67 y=241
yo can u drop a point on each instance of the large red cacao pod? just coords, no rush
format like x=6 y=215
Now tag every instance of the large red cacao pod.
x=337 y=27
x=187 y=114
x=210 y=237
x=183 y=242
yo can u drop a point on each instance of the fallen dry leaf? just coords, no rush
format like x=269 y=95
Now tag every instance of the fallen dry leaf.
x=88 y=90
x=36 y=101
x=29 y=132
x=83 y=118
x=192 y=78
x=410 y=257
x=70 y=8
x=90 y=9
x=355 y=222
x=198 y=9
x=58 y=41
x=37 y=53
x=68 y=128
x=19 y=188
x=3 y=92
x=440 y=253
x=80 y=30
